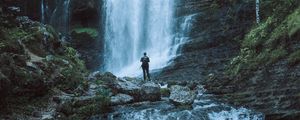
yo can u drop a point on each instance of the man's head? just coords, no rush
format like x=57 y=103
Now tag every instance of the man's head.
x=145 y=53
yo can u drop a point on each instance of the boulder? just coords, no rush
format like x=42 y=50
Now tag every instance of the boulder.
x=140 y=92
x=151 y=91
x=120 y=99
x=127 y=87
x=182 y=95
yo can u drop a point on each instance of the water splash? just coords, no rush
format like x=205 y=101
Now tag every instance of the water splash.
x=205 y=107
x=43 y=11
x=235 y=114
x=135 y=26
x=182 y=34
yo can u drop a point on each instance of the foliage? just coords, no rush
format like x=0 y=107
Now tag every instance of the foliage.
x=74 y=72
x=98 y=106
x=99 y=82
x=165 y=91
x=91 y=31
x=72 y=54
x=266 y=43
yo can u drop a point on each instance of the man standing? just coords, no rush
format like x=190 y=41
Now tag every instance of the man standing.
x=145 y=65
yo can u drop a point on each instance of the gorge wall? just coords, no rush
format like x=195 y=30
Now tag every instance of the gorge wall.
x=244 y=63
x=250 y=65
x=210 y=44
x=80 y=21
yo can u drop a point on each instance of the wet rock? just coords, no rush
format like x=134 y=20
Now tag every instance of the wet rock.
x=151 y=91
x=107 y=78
x=200 y=89
x=56 y=100
x=182 y=95
x=14 y=10
x=89 y=51
x=127 y=87
x=94 y=76
x=24 y=21
x=83 y=106
x=120 y=99
x=36 y=114
x=47 y=117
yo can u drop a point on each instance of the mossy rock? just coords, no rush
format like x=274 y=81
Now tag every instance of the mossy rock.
x=267 y=43
x=92 y=32
x=165 y=92
x=294 y=58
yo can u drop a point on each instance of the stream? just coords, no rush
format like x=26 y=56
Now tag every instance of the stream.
x=204 y=107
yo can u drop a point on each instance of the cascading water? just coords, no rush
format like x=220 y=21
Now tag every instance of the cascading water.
x=43 y=11
x=182 y=34
x=257 y=11
x=136 y=26
x=60 y=17
x=205 y=107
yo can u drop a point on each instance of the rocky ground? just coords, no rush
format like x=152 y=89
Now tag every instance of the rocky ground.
x=247 y=64
x=256 y=66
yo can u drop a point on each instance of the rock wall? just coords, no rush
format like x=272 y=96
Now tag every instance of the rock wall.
x=33 y=59
x=85 y=17
x=256 y=66
x=211 y=45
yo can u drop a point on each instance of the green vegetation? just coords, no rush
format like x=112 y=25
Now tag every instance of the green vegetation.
x=91 y=31
x=165 y=92
x=267 y=43
x=294 y=58
x=99 y=105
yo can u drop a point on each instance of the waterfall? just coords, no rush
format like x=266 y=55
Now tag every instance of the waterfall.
x=42 y=12
x=60 y=17
x=257 y=12
x=182 y=34
x=136 y=26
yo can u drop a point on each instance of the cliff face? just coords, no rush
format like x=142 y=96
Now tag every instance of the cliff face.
x=33 y=61
x=210 y=45
x=83 y=23
x=246 y=64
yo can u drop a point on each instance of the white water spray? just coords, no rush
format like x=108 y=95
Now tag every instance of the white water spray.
x=43 y=12
x=136 y=26
x=257 y=12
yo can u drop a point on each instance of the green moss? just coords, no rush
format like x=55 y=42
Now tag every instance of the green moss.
x=293 y=22
x=16 y=33
x=98 y=106
x=185 y=107
x=71 y=53
x=99 y=82
x=286 y=29
x=103 y=92
x=52 y=31
x=165 y=91
x=89 y=110
x=277 y=54
x=294 y=58
x=257 y=36
x=91 y=31
x=72 y=68
x=269 y=56
x=266 y=43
